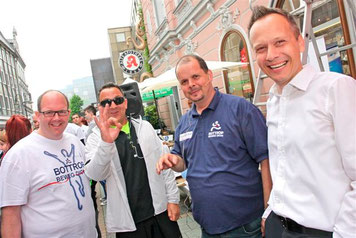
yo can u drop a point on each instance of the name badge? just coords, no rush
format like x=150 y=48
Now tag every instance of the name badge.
x=185 y=136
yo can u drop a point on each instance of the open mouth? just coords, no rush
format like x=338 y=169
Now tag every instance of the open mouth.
x=277 y=66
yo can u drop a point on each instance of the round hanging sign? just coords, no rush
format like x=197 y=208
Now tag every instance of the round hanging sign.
x=131 y=61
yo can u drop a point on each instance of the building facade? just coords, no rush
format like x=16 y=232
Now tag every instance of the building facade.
x=118 y=38
x=84 y=88
x=216 y=30
x=15 y=97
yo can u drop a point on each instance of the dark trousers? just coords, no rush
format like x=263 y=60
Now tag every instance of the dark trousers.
x=249 y=230
x=158 y=226
x=274 y=228
x=93 y=196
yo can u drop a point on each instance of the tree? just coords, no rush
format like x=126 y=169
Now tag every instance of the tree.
x=75 y=105
x=152 y=117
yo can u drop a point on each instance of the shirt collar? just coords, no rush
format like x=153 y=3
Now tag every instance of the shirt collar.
x=126 y=128
x=212 y=106
x=301 y=81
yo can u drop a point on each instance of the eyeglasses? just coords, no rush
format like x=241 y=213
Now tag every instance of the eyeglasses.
x=60 y=113
x=116 y=100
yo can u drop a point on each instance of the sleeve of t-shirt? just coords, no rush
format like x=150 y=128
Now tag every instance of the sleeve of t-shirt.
x=176 y=148
x=14 y=181
x=254 y=131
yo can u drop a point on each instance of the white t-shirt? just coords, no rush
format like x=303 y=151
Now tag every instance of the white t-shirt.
x=46 y=177
x=84 y=129
x=75 y=130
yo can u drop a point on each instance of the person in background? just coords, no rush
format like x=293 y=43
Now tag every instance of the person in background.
x=124 y=151
x=222 y=141
x=35 y=122
x=17 y=127
x=311 y=119
x=84 y=122
x=43 y=189
x=75 y=130
x=4 y=146
x=77 y=119
x=89 y=114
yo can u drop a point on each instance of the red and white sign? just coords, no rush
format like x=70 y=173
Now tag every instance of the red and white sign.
x=131 y=61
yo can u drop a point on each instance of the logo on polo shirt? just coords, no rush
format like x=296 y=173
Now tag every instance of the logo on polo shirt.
x=215 y=130
x=216 y=126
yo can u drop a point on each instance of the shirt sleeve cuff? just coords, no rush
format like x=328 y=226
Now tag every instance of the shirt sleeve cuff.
x=266 y=212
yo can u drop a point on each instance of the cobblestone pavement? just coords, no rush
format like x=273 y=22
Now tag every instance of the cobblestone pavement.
x=188 y=227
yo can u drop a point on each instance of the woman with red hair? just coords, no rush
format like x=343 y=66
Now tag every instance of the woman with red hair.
x=17 y=127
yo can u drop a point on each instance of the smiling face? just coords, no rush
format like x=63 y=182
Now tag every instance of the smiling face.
x=277 y=49
x=116 y=111
x=195 y=83
x=52 y=127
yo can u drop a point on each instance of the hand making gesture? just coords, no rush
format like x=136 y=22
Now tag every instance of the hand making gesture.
x=110 y=127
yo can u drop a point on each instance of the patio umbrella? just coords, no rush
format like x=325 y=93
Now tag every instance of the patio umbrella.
x=168 y=78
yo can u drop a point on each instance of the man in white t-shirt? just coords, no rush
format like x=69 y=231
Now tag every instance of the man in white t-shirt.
x=90 y=113
x=43 y=189
x=75 y=130
x=77 y=119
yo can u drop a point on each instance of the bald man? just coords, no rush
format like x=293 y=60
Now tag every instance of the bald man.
x=44 y=191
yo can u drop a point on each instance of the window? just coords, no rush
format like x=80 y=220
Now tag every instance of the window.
x=238 y=80
x=148 y=22
x=327 y=27
x=120 y=37
x=160 y=11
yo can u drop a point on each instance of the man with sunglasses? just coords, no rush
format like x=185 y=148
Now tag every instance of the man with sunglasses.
x=124 y=151
x=43 y=189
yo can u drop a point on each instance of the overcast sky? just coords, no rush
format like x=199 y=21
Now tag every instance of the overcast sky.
x=57 y=38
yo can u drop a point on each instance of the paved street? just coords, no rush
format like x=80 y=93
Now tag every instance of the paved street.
x=188 y=227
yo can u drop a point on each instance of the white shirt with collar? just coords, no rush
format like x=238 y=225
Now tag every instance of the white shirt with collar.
x=312 y=151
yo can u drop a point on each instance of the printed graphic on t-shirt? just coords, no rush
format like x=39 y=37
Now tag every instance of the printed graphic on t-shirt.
x=68 y=170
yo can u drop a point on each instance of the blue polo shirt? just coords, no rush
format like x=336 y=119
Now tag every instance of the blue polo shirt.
x=222 y=149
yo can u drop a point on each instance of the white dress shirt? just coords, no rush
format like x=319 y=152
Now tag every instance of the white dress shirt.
x=312 y=151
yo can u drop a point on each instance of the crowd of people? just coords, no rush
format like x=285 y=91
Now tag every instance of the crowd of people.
x=291 y=175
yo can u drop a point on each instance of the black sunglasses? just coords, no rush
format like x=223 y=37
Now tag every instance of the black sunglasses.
x=116 y=100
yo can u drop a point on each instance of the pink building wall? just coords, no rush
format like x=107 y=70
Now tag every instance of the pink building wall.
x=203 y=33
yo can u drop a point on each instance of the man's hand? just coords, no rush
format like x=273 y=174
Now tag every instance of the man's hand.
x=263 y=221
x=170 y=161
x=173 y=211
x=110 y=127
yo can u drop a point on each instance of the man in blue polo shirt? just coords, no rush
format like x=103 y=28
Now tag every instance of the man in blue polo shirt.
x=221 y=141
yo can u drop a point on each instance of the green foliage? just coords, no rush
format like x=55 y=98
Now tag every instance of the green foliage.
x=146 y=52
x=152 y=117
x=75 y=105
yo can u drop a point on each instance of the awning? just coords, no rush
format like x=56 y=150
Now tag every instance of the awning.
x=168 y=78
x=159 y=93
